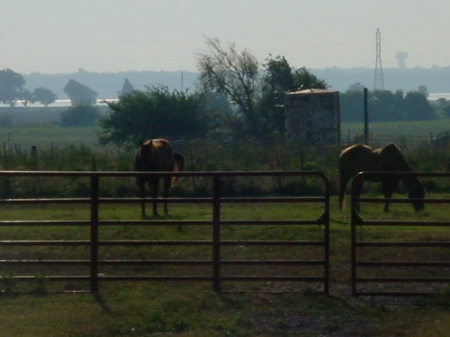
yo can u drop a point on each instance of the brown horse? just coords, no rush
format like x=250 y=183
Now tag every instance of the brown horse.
x=358 y=158
x=156 y=155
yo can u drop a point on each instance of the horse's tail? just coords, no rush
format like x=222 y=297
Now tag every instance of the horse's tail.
x=177 y=167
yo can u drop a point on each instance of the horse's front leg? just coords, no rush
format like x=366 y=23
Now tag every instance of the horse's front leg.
x=154 y=188
x=358 y=188
x=388 y=187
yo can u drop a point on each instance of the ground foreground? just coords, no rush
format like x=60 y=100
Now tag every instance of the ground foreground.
x=174 y=311
x=193 y=309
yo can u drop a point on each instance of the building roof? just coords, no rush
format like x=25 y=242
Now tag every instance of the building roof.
x=311 y=91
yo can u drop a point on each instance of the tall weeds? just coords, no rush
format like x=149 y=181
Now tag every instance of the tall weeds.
x=201 y=155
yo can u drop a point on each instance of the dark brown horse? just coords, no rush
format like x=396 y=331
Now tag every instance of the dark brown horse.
x=156 y=155
x=358 y=158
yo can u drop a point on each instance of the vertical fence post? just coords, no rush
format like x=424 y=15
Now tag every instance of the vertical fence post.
x=353 y=253
x=94 y=234
x=366 y=117
x=327 y=236
x=354 y=221
x=216 y=232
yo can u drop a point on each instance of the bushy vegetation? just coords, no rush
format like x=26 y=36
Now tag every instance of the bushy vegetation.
x=138 y=114
x=80 y=115
x=207 y=155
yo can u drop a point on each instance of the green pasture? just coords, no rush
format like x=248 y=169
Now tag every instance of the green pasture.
x=404 y=129
x=46 y=136
x=41 y=308
x=29 y=132
x=38 y=308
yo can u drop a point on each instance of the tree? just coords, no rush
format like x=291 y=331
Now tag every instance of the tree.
x=278 y=75
x=44 y=96
x=277 y=79
x=80 y=94
x=355 y=87
x=127 y=87
x=384 y=105
x=446 y=111
x=235 y=74
x=154 y=113
x=25 y=96
x=423 y=90
x=11 y=86
x=258 y=99
x=417 y=106
x=352 y=106
x=306 y=80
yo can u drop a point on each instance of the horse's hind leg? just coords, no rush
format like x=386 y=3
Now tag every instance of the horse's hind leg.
x=342 y=186
x=166 y=193
x=141 y=188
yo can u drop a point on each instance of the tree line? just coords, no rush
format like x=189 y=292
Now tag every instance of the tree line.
x=83 y=98
x=388 y=106
x=238 y=98
x=12 y=90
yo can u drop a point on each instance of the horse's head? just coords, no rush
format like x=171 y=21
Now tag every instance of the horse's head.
x=418 y=192
x=146 y=154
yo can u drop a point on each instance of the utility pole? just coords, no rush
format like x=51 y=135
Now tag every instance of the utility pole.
x=366 y=117
x=378 y=82
x=182 y=81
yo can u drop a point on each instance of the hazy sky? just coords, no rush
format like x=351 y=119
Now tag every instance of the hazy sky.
x=51 y=36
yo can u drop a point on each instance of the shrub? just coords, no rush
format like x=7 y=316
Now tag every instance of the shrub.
x=80 y=115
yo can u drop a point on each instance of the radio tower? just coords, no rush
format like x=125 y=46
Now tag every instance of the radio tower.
x=378 y=82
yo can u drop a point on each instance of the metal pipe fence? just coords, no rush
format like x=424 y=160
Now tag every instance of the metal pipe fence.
x=95 y=254
x=388 y=258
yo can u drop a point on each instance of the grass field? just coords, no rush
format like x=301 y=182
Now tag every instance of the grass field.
x=41 y=127
x=405 y=134
x=28 y=134
x=193 y=309
x=44 y=137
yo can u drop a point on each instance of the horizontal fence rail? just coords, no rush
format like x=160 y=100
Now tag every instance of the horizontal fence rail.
x=395 y=264
x=88 y=252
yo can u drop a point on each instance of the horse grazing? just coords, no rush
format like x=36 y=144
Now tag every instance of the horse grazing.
x=156 y=155
x=358 y=158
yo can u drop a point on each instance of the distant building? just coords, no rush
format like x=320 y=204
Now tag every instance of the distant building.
x=313 y=117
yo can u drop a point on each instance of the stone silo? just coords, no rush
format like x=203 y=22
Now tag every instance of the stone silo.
x=312 y=117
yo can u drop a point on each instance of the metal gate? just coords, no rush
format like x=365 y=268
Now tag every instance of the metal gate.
x=387 y=256
x=93 y=257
